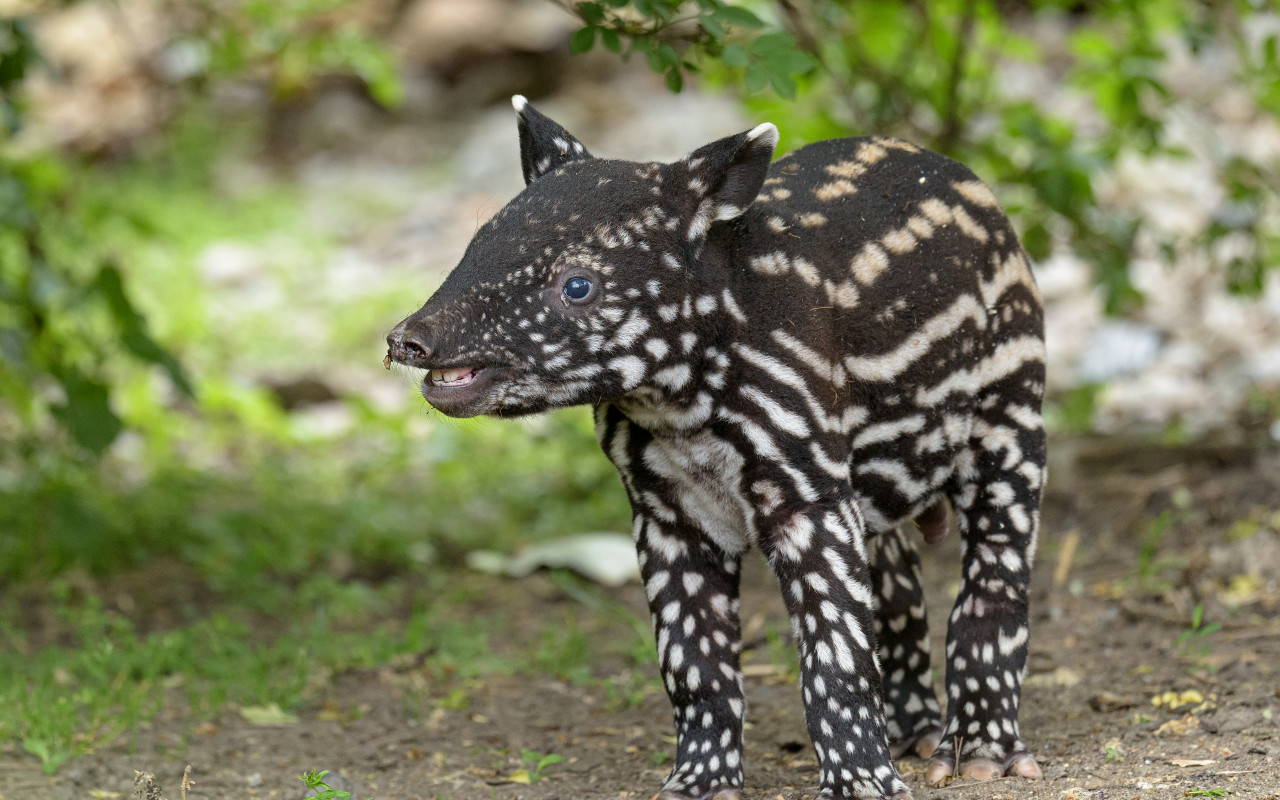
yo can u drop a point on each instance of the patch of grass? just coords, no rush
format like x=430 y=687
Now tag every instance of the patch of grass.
x=640 y=649
x=563 y=651
x=107 y=677
x=315 y=780
x=1195 y=643
x=1151 y=564
x=1113 y=751
x=538 y=763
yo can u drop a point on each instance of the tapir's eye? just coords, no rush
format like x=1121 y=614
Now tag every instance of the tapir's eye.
x=577 y=288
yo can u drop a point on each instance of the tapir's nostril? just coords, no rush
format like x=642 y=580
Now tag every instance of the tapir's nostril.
x=413 y=350
x=407 y=348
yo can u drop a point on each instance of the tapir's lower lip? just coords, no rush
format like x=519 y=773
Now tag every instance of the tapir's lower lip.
x=462 y=391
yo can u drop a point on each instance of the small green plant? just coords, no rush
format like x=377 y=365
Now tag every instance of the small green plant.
x=1194 y=642
x=315 y=780
x=538 y=763
x=1113 y=752
x=1151 y=564
x=1207 y=793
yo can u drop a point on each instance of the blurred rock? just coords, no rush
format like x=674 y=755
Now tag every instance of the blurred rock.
x=98 y=89
x=1257 y=555
x=439 y=31
x=1118 y=348
x=296 y=392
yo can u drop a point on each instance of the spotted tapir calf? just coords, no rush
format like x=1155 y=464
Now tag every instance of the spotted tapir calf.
x=800 y=357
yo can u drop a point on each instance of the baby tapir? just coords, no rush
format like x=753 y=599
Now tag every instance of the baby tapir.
x=800 y=357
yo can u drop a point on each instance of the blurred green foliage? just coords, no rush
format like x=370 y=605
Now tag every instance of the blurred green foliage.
x=937 y=72
x=68 y=324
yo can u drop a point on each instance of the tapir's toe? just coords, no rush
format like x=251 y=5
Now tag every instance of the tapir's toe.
x=942 y=767
x=714 y=794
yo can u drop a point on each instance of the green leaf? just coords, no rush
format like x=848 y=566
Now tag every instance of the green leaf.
x=582 y=40
x=781 y=53
x=734 y=56
x=662 y=58
x=50 y=759
x=133 y=328
x=674 y=80
x=712 y=26
x=756 y=77
x=609 y=38
x=783 y=84
x=668 y=55
x=548 y=760
x=87 y=414
x=741 y=17
x=591 y=13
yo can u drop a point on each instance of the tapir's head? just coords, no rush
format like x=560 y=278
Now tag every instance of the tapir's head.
x=580 y=289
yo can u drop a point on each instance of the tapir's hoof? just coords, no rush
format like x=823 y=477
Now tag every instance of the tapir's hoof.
x=923 y=743
x=943 y=767
x=714 y=794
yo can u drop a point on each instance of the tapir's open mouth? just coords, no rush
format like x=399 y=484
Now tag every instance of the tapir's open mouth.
x=463 y=391
x=461 y=376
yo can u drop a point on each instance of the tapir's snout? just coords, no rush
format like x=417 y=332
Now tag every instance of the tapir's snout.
x=407 y=345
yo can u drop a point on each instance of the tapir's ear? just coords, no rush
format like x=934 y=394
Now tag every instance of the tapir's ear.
x=726 y=175
x=544 y=145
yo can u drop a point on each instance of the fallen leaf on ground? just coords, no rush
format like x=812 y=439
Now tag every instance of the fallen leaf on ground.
x=270 y=714
x=1172 y=700
x=520 y=776
x=1192 y=762
x=1178 y=727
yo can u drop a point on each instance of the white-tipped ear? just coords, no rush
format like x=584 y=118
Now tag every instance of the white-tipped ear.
x=544 y=144
x=726 y=176
x=766 y=134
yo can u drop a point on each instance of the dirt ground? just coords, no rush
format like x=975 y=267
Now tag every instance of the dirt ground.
x=1104 y=644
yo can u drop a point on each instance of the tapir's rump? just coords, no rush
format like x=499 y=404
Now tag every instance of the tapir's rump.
x=801 y=356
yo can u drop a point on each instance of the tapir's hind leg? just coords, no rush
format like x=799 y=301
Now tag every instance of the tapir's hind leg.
x=914 y=720
x=997 y=507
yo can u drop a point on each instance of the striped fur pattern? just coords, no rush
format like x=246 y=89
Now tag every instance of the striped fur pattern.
x=800 y=357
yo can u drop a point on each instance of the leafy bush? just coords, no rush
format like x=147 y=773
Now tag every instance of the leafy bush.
x=69 y=329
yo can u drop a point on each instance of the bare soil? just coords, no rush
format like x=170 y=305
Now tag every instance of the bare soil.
x=1104 y=643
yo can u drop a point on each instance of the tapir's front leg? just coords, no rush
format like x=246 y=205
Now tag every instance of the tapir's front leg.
x=693 y=598
x=819 y=556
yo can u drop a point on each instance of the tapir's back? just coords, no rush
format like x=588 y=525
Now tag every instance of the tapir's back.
x=891 y=248
x=891 y=272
